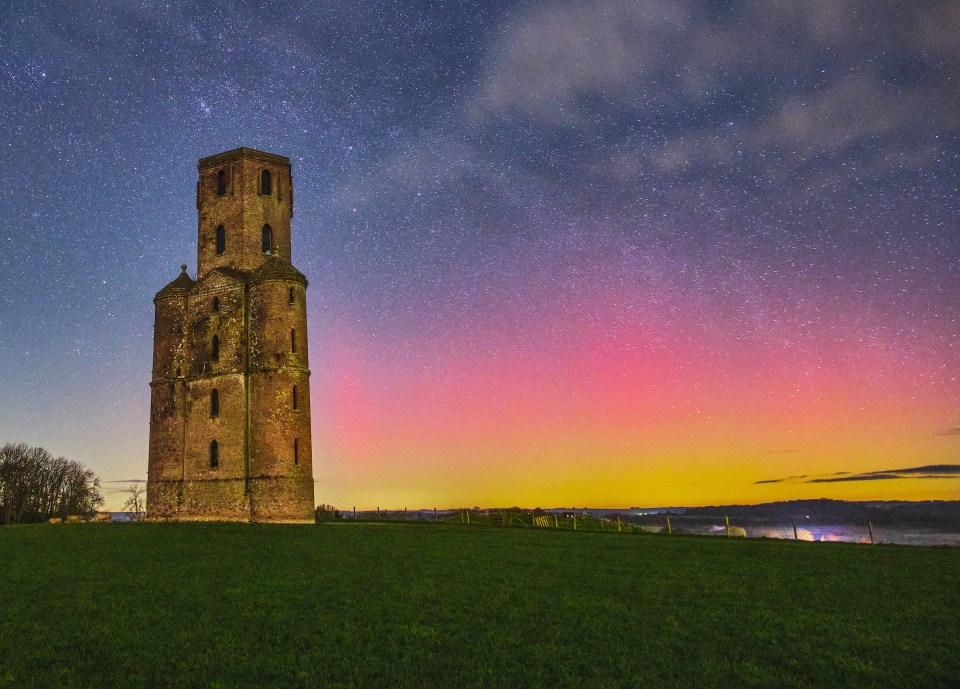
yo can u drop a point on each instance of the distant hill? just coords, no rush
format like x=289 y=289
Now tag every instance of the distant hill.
x=840 y=511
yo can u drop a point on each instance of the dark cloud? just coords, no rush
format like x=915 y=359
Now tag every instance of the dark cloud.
x=951 y=431
x=788 y=479
x=947 y=469
x=878 y=476
x=927 y=471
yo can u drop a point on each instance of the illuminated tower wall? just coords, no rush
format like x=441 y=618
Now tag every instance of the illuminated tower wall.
x=230 y=392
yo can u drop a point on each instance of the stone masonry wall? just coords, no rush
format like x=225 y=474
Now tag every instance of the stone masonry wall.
x=242 y=211
x=264 y=469
x=166 y=399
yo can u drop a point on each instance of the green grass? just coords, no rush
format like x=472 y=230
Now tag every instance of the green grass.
x=418 y=605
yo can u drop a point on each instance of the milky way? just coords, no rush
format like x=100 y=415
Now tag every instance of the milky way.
x=608 y=253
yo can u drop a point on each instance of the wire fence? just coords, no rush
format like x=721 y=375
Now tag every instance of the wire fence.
x=512 y=517
x=801 y=529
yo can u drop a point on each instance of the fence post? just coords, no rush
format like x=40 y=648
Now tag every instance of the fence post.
x=354 y=511
x=795 y=530
x=574 y=521
x=468 y=517
x=618 y=523
x=870 y=528
x=378 y=512
x=434 y=514
x=727 y=519
x=404 y=514
x=555 y=524
x=669 y=530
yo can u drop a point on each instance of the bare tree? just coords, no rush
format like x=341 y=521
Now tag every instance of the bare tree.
x=134 y=501
x=35 y=485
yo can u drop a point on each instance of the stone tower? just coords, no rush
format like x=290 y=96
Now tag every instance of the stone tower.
x=230 y=394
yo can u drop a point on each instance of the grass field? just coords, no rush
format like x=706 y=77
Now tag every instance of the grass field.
x=417 y=605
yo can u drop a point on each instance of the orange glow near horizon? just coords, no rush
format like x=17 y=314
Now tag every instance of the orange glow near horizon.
x=621 y=416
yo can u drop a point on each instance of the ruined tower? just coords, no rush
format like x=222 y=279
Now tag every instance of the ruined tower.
x=230 y=393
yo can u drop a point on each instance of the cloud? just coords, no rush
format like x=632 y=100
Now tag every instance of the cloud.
x=548 y=59
x=950 y=431
x=927 y=471
x=874 y=476
x=930 y=469
x=602 y=101
x=857 y=107
x=788 y=479
x=695 y=85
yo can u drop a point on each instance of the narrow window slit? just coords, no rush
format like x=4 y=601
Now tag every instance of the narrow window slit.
x=266 y=239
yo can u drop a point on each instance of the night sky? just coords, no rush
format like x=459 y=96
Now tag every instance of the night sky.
x=603 y=253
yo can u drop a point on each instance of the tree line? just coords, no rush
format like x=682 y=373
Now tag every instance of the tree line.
x=36 y=486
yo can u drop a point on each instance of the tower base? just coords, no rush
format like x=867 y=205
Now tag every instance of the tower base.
x=268 y=499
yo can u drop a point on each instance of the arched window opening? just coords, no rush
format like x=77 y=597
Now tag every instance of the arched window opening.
x=266 y=239
x=214 y=454
x=178 y=371
x=221 y=240
x=295 y=402
x=296 y=451
x=293 y=341
x=215 y=348
x=290 y=298
x=214 y=404
x=221 y=183
x=266 y=183
x=216 y=304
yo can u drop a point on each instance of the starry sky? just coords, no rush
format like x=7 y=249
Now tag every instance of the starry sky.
x=599 y=252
